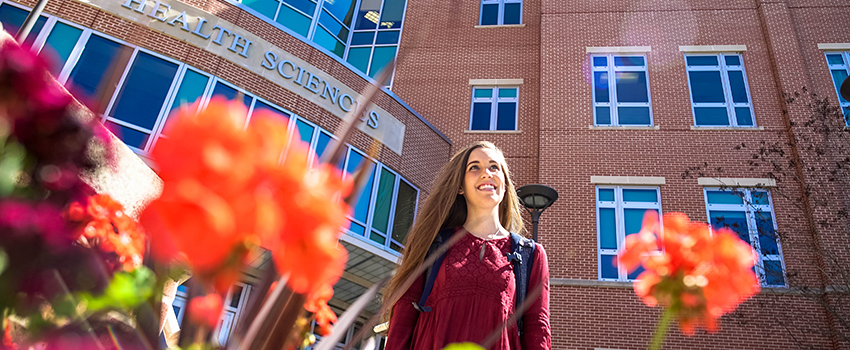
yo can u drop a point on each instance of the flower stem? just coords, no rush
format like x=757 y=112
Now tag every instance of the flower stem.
x=661 y=329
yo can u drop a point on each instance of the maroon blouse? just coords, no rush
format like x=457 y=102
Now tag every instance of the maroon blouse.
x=470 y=299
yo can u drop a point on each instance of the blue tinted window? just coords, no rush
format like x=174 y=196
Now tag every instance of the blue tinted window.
x=701 y=60
x=98 y=58
x=308 y=7
x=322 y=144
x=743 y=116
x=480 y=116
x=640 y=195
x=633 y=115
x=634 y=274
x=600 y=84
x=13 y=18
x=733 y=220
x=513 y=13
x=333 y=26
x=608 y=265
x=343 y=10
x=359 y=57
x=607 y=228
x=357 y=229
x=732 y=60
x=191 y=88
x=265 y=7
x=380 y=58
x=767 y=234
x=739 y=90
x=362 y=38
x=230 y=93
x=707 y=87
x=600 y=61
x=387 y=37
x=393 y=14
x=773 y=273
x=633 y=220
x=724 y=197
x=145 y=89
x=760 y=198
x=711 y=116
x=838 y=76
x=606 y=194
x=361 y=209
x=507 y=93
x=483 y=93
x=489 y=14
x=294 y=20
x=59 y=45
x=507 y=116
x=628 y=61
x=129 y=136
x=603 y=115
x=304 y=130
x=631 y=87
x=835 y=59
x=368 y=15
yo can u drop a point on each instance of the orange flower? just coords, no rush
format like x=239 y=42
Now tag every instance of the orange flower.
x=698 y=274
x=225 y=190
x=317 y=303
x=205 y=310
x=105 y=225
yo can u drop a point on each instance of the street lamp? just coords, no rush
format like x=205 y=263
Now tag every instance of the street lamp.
x=536 y=198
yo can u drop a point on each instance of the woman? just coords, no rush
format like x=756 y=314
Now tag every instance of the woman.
x=474 y=290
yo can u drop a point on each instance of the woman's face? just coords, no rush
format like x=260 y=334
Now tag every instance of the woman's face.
x=484 y=179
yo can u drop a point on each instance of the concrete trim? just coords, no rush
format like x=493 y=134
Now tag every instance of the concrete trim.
x=736 y=182
x=492 y=131
x=502 y=26
x=617 y=49
x=480 y=82
x=612 y=127
x=589 y=283
x=742 y=128
x=713 y=48
x=627 y=180
x=834 y=46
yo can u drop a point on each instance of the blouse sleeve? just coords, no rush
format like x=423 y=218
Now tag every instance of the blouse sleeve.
x=537 y=334
x=404 y=317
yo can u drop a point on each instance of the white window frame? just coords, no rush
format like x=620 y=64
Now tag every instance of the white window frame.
x=613 y=103
x=619 y=206
x=230 y=315
x=749 y=207
x=500 y=17
x=727 y=90
x=494 y=100
x=844 y=106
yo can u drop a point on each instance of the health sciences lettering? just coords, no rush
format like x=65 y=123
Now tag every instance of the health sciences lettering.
x=160 y=9
x=309 y=81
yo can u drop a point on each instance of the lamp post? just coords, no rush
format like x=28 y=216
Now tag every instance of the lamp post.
x=536 y=198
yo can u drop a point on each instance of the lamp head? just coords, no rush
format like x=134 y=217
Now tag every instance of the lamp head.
x=536 y=196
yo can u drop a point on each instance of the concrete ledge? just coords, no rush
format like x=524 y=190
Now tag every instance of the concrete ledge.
x=834 y=46
x=627 y=180
x=588 y=283
x=503 y=26
x=479 y=82
x=736 y=182
x=492 y=131
x=741 y=128
x=713 y=48
x=618 y=49
x=619 y=127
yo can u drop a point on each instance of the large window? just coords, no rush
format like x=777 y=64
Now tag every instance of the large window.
x=619 y=213
x=494 y=108
x=720 y=95
x=620 y=90
x=500 y=12
x=839 y=68
x=234 y=305
x=13 y=17
x=749 y=213
x=376 y=35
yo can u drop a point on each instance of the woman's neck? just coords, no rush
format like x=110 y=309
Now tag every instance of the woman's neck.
x=484 y=224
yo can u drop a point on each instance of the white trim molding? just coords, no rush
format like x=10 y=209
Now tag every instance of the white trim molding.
x=623 y=127
x=736 y=182
x=618 y=49
x=501 y=26
x=627 y=180
x=713 y=48
x=492 y=131
x=834 y=46
x=735 y=128
x=494 y=82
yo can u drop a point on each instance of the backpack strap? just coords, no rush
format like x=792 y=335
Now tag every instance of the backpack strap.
x=522 y=257
x=431 y=272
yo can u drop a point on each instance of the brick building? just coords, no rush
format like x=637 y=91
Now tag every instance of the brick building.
x=608 y=102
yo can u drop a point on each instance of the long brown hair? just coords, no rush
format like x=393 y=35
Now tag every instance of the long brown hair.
x=445 y=208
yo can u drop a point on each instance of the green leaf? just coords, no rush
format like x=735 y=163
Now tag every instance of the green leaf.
x=463 y=346
x=4 y=261
x=12 y=156
x=126 y=291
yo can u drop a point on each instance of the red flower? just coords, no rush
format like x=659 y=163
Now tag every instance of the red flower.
x=697 y=273
x=317 y=303
x=104 y=225
x=205 y=310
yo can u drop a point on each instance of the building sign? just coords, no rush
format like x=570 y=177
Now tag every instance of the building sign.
x=249 y=51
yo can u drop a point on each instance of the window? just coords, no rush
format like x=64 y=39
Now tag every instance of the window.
x=623 y=100
x=839 y=68
x=749 y=213
x=13 y=17
x=494 y=108
x=376 y=35
x=500 y=12
x=619 y=213
x=234 y=304
x=719 y=92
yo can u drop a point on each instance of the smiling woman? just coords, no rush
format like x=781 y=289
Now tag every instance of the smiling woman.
x=475 y=282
